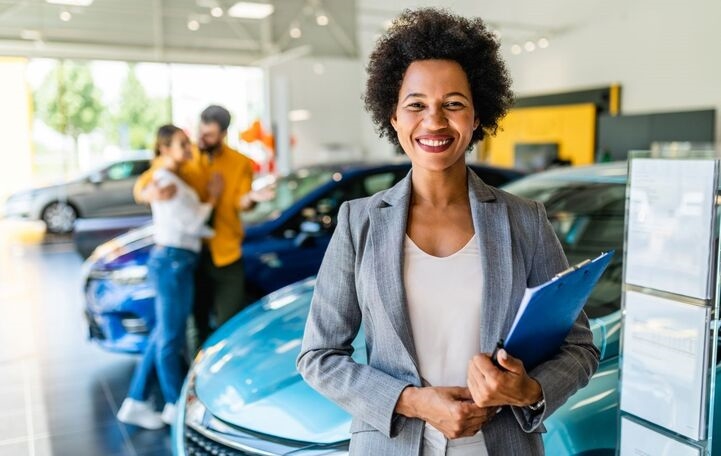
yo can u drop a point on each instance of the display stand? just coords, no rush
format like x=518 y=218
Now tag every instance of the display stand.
x=670 y=305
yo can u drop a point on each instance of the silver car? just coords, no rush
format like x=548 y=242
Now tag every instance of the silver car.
x=105 y=192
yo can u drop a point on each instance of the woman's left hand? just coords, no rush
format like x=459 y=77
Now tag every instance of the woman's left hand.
x=494 y=387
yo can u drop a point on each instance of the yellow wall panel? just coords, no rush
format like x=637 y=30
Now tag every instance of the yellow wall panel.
x=573 y=127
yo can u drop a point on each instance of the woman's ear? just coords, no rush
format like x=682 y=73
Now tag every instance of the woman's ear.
x=476 y=122
x=394 y=120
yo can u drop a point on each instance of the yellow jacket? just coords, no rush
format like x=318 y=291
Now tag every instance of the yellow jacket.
x=237 y=172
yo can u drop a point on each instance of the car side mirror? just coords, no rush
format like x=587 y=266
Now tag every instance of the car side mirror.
x=96 y=178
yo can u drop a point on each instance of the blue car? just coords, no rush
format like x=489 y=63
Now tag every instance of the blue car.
x=285 y=240
x=244 y=396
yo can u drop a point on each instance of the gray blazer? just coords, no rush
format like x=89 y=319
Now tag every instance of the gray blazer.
x=361 y=282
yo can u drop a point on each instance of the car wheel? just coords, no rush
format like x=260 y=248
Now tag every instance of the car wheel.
x=59 y=217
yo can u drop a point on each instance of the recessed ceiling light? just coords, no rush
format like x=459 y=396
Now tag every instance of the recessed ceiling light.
x=530 y=46
x=516 y=49
x=65 y=16
x=193 y=25
x=216 y=12
x=299 y=115
x=71 y=2
x=543 y=43
x=321 y=20
x=295 y=32
x=250 y=10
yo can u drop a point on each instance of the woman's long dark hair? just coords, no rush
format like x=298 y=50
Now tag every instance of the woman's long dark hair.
x=164 y=137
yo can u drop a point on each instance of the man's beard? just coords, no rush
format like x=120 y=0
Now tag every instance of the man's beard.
x=210 y=149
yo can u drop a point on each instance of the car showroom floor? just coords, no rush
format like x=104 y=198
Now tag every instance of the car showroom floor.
x=58 y=392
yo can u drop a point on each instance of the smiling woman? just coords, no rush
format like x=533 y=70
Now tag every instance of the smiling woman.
x=434 y=269
x=417 y=36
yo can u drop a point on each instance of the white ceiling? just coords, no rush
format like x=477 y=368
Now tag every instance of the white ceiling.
x=157 y=30
x=515 y=20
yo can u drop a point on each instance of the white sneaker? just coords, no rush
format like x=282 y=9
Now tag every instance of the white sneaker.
x=139 y=414
x=168 y=415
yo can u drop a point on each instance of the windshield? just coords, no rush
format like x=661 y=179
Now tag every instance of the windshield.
x=288 y=190
x=588 y=218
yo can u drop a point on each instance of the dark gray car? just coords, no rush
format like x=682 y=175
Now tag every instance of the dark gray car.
x=105 y=192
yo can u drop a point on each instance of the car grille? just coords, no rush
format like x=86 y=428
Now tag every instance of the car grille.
x=197 y=444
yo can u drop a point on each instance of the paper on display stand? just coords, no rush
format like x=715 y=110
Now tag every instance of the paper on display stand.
x=637 y=440
x=664 y=363
x=669 y=242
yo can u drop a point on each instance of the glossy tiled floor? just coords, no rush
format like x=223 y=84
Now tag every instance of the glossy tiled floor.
x=58 y=392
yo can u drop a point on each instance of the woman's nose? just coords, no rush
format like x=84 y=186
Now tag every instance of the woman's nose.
x=435 y=118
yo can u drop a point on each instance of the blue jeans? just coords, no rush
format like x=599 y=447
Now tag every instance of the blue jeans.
x=171 y=271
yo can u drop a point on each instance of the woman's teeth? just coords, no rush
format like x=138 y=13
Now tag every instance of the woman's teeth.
x=434 y=143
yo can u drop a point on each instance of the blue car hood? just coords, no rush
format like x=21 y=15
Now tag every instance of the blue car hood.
x=246 y=375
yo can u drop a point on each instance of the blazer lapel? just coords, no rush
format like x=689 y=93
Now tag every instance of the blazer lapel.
x=490 y=221
x=387 y=233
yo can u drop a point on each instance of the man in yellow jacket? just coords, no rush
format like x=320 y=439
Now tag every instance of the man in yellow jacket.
x=220 y=284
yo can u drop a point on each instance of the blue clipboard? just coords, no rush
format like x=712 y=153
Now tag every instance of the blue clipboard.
x=547 y=312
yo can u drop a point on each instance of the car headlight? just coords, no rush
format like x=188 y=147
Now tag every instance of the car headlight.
x=194 y=409
x=19 y=198
x=124 y=276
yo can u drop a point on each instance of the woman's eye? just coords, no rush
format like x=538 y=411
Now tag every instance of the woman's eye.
x=455 y=105
x=415 y=106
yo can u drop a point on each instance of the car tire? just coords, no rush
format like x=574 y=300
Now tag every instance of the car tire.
x=59 y=217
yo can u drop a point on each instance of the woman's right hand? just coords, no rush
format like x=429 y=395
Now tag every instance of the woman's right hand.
x=451 y=410
x=153 y=193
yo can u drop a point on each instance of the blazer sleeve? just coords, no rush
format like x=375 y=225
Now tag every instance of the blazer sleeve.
x=333 y=322
x=578 y=359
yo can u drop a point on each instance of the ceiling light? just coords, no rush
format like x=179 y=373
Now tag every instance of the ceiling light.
x=65 y=16
x=530 y=46
x=387 y=24
x=321 y=18
x=216 y=12
x=516 y=49
x=543 y=43
x=295 y=31
x=318 y=68
x=32 y=35
x=193 y=25
x=249 y=10
x=497 y=34
x=299 y=115
x=71 y=2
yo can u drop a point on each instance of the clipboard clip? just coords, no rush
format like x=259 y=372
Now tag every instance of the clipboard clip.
x=575 y=267
x=494 y=355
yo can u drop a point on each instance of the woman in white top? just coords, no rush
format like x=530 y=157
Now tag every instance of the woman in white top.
x=179 y=225
x=435 y=267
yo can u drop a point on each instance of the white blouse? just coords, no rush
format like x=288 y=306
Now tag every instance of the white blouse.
x=444 y=306
x=180 y=221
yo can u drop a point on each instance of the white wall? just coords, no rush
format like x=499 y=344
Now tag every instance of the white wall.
x=333 y=99
x=664 y=53
x=374 y=147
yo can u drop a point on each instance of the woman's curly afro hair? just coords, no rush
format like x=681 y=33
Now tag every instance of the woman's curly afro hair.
x=426 y=34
